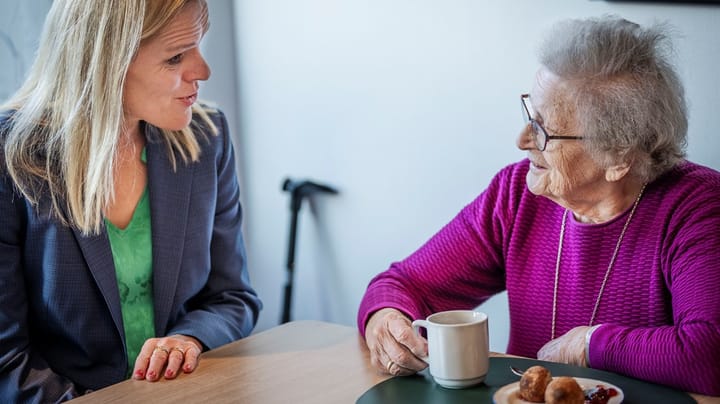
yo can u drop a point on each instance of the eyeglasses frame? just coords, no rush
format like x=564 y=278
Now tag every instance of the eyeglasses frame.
x=535 y=124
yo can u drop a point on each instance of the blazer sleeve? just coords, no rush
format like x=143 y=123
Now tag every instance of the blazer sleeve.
x=227 y=308
x=25 y=376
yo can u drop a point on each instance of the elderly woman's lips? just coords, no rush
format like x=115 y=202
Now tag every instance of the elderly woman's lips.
x=536 y=165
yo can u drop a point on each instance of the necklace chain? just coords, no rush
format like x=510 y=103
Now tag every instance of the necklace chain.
x=607 y=272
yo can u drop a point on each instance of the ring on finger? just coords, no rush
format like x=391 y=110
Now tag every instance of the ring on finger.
x=175 y=348
x=389 y=365
x=162 y=348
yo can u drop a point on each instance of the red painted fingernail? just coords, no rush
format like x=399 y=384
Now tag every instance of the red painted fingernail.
x=139 y=374
x=169 y=373
x=187 y=368
x=151 y=375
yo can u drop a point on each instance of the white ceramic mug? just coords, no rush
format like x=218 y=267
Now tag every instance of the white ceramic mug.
x=458 y=347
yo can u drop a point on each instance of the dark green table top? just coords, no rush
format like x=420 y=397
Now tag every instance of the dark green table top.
x=422 y=389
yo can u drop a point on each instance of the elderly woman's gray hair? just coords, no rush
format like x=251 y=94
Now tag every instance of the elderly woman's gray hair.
x=623 y=88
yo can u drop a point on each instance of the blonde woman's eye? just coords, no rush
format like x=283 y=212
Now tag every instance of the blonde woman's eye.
x=175 y=59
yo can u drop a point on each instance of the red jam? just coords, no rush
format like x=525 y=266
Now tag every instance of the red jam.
x=599 y=395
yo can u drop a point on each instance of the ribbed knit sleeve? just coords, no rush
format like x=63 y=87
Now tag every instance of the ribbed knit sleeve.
x=460 y=267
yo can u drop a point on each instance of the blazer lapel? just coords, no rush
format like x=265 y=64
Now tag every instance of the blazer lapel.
x=169 y=204
x=98 y=256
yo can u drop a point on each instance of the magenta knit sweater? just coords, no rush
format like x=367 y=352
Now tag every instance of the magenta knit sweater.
x=660 y=311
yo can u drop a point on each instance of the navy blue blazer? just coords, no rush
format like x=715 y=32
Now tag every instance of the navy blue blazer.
x=61 y=330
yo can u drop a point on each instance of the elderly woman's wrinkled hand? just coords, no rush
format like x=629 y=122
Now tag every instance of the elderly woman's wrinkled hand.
x=394 y=347
x=568 y=348
x=166 y=356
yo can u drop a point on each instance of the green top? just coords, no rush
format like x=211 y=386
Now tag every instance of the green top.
x=132 y=255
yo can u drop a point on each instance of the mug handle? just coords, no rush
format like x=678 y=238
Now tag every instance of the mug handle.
x=416 y=328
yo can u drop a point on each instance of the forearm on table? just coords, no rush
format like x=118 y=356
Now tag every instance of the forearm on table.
x=685 y=357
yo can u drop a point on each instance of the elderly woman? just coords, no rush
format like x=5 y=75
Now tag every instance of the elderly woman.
x=606 y=240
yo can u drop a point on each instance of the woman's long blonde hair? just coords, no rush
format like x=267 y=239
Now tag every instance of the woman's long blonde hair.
x=66 y=118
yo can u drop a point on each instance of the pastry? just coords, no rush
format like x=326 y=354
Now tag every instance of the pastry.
x=533 y=383
x=564 y=390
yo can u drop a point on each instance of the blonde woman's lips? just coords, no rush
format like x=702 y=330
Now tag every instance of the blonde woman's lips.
x=189 y=100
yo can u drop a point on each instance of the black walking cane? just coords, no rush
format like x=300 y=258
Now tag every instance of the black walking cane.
x=298 y=191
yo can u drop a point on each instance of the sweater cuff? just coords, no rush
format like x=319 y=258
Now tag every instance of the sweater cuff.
x=588 y=334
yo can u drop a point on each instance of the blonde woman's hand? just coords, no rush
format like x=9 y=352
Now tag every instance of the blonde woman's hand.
x=166 y=357
x=394 y=347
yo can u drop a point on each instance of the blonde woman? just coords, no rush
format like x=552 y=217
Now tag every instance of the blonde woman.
x=121 y=253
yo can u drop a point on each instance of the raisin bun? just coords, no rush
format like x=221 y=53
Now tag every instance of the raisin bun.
x=533 y=383
x=564 y=390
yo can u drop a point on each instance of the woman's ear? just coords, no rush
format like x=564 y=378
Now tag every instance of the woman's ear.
x=617 y=172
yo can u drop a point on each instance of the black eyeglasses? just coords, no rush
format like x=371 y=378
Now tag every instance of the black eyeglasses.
x=540 y=135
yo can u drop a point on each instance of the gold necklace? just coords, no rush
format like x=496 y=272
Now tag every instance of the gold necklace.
x=607 y=272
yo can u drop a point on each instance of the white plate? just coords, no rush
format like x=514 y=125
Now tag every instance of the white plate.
x=510 y=394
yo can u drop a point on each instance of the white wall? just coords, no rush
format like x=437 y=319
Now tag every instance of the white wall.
x=408 y=107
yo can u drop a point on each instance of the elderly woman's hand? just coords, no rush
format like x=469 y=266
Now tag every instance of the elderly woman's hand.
x=167 y=354
x=568 y=348
x=394 y=347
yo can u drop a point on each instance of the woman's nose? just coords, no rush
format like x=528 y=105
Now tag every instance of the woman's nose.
x=204 y=69
x=524 y=139
x=200 y=70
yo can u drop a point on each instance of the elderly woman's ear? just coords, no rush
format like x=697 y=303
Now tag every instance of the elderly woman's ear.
x=617 y=172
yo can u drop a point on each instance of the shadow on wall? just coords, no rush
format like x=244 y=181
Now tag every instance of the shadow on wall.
x=11 y=64
x=20 y=27
x=329 y=279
